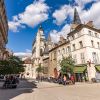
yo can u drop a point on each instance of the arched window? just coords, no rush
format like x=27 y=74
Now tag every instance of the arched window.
x=41 y=52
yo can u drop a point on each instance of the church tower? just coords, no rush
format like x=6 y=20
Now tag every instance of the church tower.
x=76 y=20
x=38 y=49
x=40 y=42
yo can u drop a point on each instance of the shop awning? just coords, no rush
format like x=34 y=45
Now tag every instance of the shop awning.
x=97 y=67
x=79 y=69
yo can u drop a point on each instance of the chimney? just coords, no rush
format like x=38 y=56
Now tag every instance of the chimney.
x=90 y=23
x=61 y=38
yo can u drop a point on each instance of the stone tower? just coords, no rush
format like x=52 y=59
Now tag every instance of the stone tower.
x=40 y=42
x=38 y=49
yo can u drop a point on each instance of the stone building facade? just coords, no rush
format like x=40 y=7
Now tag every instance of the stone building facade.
x=46 y=67
x=3 y=29
x=40 y=50
x=82 y=43
x=29 y=71
x=52 y=61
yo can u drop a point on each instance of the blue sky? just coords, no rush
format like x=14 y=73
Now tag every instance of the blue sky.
x=25 y=17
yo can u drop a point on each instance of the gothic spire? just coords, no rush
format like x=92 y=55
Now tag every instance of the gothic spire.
x=40 y=28
x=77 y=19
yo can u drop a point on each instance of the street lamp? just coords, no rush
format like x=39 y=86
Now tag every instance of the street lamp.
x=89 y=63
x=89 y=69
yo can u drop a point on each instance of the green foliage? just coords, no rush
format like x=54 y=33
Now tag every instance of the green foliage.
x=67 y=65
x=39 y=69
x=11 y=66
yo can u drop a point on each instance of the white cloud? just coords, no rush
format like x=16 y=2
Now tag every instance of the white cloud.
x=34 y=14
x=27 y=53
x=92 y=14
x=55 y=35
x=61 y=14
x=14 y=26
x=81 y=3
x=28 y=50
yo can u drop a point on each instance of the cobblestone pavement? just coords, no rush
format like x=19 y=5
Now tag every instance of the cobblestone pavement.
x=51 y=91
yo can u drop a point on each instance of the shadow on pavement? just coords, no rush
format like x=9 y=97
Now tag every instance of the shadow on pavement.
x=24 y=86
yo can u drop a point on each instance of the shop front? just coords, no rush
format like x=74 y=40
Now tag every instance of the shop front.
x=97 y=75
x=80 y=73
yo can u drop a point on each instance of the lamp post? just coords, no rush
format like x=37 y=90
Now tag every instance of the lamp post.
x=88 y=70
x=91 y=70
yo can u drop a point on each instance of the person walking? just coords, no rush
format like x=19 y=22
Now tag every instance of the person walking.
x=72 y=79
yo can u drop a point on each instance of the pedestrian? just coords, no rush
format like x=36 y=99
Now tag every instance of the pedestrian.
x=72 y=79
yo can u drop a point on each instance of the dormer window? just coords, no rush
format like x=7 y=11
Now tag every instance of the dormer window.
x=73 y=37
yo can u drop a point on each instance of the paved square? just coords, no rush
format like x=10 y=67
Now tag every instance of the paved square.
x=51 y=91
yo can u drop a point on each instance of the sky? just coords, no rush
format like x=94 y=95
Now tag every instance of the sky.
x=55 y=16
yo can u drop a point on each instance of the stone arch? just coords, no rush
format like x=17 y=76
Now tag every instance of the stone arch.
x=55 y=73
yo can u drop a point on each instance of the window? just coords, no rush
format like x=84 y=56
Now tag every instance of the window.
x=69 y=50
x=94 y=57
x=98 y=44
x=63 y=50
x=73 y=37
x=59 y=52
x=51 y=56
x=90 y=33
x=75 y=58
x=92 y=43
x=66 y=50
x=41 y=52
x=54 y=55
x=81 y=44
x=82 y=58
x=96 y=35
x=74 y=48
x=28 y=68
x=97 y=58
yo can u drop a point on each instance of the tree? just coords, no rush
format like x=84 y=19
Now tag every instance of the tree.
x=39 y=69
x=17 y=64
x=13 y=65
x=67 y=65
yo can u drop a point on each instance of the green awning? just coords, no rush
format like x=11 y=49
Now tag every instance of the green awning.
x=79 y=69
x=97 y=67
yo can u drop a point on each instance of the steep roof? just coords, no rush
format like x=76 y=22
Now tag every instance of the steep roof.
x=80 y=27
